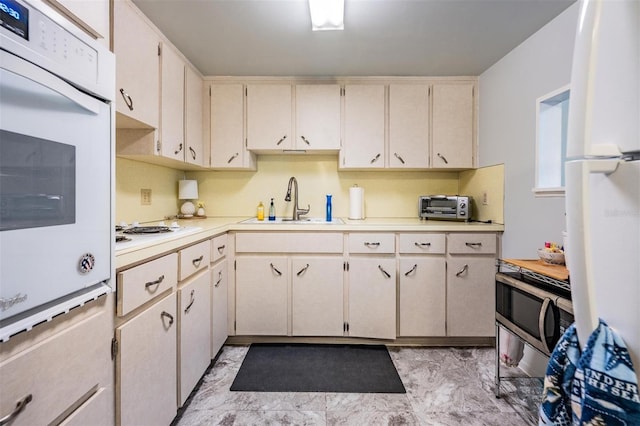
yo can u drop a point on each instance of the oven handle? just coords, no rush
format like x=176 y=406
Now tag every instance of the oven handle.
x=546 y=305
x=17 y=66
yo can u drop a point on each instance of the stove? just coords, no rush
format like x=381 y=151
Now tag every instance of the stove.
x=139 y=236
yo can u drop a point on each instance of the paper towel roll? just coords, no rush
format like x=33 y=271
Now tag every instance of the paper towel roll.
x=356 y=202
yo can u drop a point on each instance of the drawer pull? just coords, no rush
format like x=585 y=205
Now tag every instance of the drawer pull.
x=219 y=279
x=156 y=282
x=422 y=244
x=275 y=269
x=196 y=262
x=406 y=274
x=193 y=299
x=464 y=269
x=166 y=314
x=371 y=244
x=19 y=407
x=221 y=249
x=473 y=245
x=302 y=271
x=386 y=274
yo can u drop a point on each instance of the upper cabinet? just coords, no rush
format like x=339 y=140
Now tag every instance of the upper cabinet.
x=172 y=143
x=136 y=46
x=269 y=117
x=317 y=117
x=91 y=16
x=409 y=126
x=453 y=129
x=193 y=120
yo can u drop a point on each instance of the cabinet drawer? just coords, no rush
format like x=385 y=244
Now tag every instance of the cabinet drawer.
x=472 y=243
x=138 y=285
x=422 y=243
x=194 y=258
x=289 y=242
x=372 y=243
x=218 y=247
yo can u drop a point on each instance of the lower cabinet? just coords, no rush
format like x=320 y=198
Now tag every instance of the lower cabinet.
x=372 y=297
x=146 y=366
x=317 y=296
x=219 y=306
x=422 y=296
x=194 y=332
x=261 y=295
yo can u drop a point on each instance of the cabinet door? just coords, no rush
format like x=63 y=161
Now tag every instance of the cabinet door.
x=422 y=296
x=137 y=69
x=269 y=117
x=228 y=150
x=261 y=295
x=172 y=119
x=146 y=366
x=453 y=130
x=372 y=297
x=220 y=284
x=471 y=296
x=363 y=145
x=94 y=14
x=317 y=296
x=318 y=117
x=193 y=118
x=409 y=126
x=194 y=333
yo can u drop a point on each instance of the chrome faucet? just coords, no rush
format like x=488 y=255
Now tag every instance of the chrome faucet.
x=296 y=211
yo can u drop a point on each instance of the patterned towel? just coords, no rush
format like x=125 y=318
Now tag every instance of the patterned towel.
x=596 y=387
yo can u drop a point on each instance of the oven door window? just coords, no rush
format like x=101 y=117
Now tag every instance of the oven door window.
x=37 y=182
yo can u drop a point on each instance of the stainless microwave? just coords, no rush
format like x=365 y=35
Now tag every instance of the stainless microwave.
x=454 y=207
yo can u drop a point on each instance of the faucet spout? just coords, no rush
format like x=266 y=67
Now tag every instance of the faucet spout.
x=293 y=183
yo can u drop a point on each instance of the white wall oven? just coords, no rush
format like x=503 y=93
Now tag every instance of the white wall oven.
x=56 y=150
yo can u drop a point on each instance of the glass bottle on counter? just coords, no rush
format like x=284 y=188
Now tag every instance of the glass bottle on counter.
x=272 y=211
x=260 y=213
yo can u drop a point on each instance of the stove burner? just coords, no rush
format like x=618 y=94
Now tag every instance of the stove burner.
x=147 y=230
x=122 y=238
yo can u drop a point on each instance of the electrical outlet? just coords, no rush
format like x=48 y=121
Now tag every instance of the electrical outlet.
x=485 y=200
x=145 y=197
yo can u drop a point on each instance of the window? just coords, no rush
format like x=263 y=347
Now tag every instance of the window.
x=551 y=142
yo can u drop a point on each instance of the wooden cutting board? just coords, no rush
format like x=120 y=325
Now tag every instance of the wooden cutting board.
x=559 y=272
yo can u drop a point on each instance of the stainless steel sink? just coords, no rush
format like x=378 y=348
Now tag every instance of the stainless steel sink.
x=301 y=221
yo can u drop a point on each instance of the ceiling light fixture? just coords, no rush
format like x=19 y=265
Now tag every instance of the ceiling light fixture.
x=327 y=14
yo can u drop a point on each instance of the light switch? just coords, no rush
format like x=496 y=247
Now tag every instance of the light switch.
x=145 y=197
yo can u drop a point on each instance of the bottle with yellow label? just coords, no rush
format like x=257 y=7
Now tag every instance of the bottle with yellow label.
x=260 y=214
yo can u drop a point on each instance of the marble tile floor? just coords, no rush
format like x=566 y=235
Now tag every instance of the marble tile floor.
x=445 y=386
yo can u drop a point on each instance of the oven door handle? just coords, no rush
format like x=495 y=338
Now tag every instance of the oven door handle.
x=17 y=66
x=546 y=305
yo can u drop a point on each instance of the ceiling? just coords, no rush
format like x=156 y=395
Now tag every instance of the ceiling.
x=381 y=37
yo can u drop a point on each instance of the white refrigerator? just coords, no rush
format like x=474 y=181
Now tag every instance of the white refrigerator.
x=602 y=172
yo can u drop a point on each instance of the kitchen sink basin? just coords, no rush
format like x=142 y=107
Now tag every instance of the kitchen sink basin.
x=301 y=221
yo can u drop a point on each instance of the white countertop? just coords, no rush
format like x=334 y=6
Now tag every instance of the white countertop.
x=210 y=227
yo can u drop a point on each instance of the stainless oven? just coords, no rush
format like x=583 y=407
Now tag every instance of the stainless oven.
x=56 y=150
x=535 y=311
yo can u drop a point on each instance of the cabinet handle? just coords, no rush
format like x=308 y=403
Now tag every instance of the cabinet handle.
x=193 y=153
x=19 y=407
x=398 y=157
x=219 y=279
x=193 y=299
x=375 y=158
x=464 y=269
x=196 y=262
x=443 y=158
x=417 y=244
x=233 y=157
x=178 y=151
x=166 y=314
x=406 y=274
x=281 y=140
x=386 y=274
x=156 y=282
x=305 y=140
x=127 y=99
x=473 y=245
x=301 y=271
x=370 y=245
x=275 y=269
x=546 y=305
x=221 y=249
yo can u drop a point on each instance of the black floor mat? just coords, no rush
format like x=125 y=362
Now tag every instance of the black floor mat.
x=318 y=368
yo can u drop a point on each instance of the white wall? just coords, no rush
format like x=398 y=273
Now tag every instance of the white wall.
x=507 y=121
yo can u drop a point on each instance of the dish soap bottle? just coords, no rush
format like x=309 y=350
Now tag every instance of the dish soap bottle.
x=260 y=214
x=272 y=211
x=328 y=207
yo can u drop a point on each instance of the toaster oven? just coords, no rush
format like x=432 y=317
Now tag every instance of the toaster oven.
x=453 y=207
